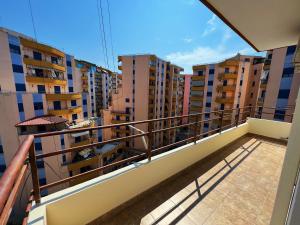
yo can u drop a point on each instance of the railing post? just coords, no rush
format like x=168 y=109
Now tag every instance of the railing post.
x=221 y=121
x=34 y=174
x=237 y=117
x=150 y=140
x=196 y=128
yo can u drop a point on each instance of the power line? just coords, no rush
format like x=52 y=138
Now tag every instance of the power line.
x=100 y=30
x=32 y=20
x=110 y=33
x=103 y=35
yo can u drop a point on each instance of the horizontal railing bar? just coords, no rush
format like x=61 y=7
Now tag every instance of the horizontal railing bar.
x=171 y=145
x=79 y=148
x=92 y=171
x=13 y=195
x=77 y=130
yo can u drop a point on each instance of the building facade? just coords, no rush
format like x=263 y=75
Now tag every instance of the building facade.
x=151 y=88
x=230 y=84
x=279 y=84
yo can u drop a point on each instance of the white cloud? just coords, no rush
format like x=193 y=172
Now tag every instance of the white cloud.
x=205 y=55
x=187 y=40
x=211 y=26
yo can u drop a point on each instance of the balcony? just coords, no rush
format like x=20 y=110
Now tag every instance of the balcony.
x=114 y=121
x=225 y=100
x=199 y=88
x=43 y=64
x=196 y=98
x=226 y=76
x=229 y=172
x=196 y=78
x=152 y=78
x=63 y=97
x=196 y=108
x=221 y=88
x=45 y=80
x=228 y=180
x=84 y=142
x=263 y=84
x=60 y=112
x=229 y=63
x=41 y=47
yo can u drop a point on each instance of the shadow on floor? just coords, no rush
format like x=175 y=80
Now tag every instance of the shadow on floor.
x=136 y=209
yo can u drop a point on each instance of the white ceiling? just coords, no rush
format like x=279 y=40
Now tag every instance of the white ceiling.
x=267 y=24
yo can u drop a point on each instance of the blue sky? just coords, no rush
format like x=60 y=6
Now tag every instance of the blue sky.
x=182 y=31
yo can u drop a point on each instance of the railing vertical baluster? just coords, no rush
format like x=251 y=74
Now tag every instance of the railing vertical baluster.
x=34 y=174
x=237 y=117
x=221 y=121
x=196 y=128
x=150 y=140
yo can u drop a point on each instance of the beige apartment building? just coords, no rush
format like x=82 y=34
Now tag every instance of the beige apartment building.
x=232 y=83
x=279 y=85
x=151 y=88
x=44 y=89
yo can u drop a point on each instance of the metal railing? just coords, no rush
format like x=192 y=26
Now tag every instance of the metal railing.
x=13 y=177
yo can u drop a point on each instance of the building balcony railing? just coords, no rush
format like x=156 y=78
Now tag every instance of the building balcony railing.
x=46 y=80
x=41 y=47
x=63 y=96
x=199 y=88
x=196 y=98
x=263 y=84
x=222 y=88
x=226 y=76
x=60 y=112
x=225 y=99
x=198 y=77
x=153 y=78
x=43 y=64
x=114 y=121
x=192 y=150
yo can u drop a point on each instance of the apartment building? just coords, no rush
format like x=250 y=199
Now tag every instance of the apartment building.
x=44 y=89
x=230 y=84
x=151 y=88
x=279 y=84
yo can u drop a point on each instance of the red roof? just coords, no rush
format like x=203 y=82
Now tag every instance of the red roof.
x=41 y=120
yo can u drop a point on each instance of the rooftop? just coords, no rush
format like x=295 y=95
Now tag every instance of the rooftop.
x=41 y=120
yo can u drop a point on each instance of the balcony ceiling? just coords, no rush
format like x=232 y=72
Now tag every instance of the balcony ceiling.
x=264 y=24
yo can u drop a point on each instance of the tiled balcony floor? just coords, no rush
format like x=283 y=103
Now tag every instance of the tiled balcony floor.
x=236 y=185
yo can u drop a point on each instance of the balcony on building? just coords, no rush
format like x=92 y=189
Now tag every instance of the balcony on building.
x=63 y=96
x=221 y=87
x=45 y=75
x=229 y=99
x=228 y=75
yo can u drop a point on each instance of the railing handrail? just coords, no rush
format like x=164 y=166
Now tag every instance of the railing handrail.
x=10 y=175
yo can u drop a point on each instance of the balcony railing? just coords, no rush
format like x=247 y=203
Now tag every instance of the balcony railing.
x=25 y=157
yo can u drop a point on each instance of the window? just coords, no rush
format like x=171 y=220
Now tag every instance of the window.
x=211 y=71
x=70 y=76
x=263 y=93
x=206 y=125
x=73 y=103
x=71 y=89
x=57 y=89
x=39 y=72
x=17 y=68
x=84 y=102
x=279 y=114
x=64 y=158
x=38 y=146
x=38 y=105
x=241 y=82
x=77 y=139
x=255 y=72
x=226 y=70
x=207 y=115
x=284 y=93
x=40 y=164
x=251 y=95
x=69 y=63
x=20 y=107
x=133 y=62
x=74 y=116
x=85 y=114
x=210 y=83
x=288 y=72
x=62 y=141
x=291 y=50
x=243 y=69
x=222 y=106
x=270 y=56
x=41 y=89
x=41 y=128
x=133 y=71
x=54 y=60
x=20 y=87
x=209 y=93
x=15 y=49
x=127 y=100
x=56 y=105
x=42 y=181
x=37 y=55
x=127 y=110
x=200 y=73
x=224 y=82
x=208 y=104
